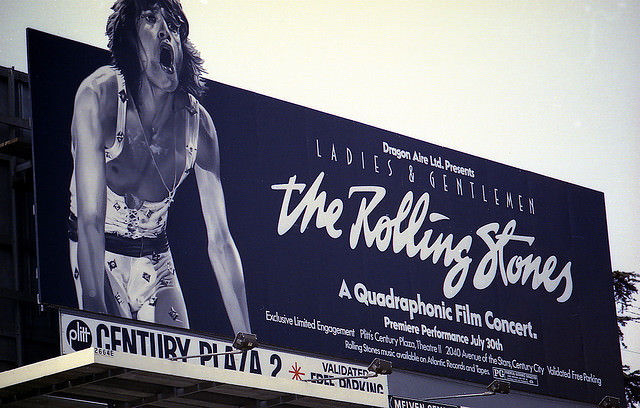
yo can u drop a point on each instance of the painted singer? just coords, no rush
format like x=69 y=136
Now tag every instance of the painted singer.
x=138 y=130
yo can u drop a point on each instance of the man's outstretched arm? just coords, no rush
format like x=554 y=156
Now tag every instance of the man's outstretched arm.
x=223 y=253
x=90 y=177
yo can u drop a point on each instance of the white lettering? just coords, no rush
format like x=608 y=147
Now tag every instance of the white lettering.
x=403 y=232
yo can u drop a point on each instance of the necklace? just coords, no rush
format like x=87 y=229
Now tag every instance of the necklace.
x=170 y=191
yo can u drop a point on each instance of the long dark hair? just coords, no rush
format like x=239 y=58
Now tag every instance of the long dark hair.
x=122 y=33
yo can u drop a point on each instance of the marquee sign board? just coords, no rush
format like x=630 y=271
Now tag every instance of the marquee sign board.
x=128 y=379
x=357 y=242
x=400 y=402
x=79 y=331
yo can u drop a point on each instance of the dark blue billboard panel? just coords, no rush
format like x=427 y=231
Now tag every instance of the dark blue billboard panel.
x=356 y=242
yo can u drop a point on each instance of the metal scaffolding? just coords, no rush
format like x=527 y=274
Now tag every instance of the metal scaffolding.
x=23 y=322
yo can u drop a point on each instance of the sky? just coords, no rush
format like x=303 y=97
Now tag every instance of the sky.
x=551 y=87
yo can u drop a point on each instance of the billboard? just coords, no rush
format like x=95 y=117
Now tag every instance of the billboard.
x=357 y=242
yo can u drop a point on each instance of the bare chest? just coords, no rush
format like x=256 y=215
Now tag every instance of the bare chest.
x=151 y=158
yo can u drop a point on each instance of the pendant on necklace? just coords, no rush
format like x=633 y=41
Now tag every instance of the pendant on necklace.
x=132 y=201
x=157 y=150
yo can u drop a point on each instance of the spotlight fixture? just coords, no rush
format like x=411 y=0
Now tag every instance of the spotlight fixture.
x=496 y=387
x=245 y=341
x=499 y=387
x=377 y=367
x=242 y=343
x=609 y=402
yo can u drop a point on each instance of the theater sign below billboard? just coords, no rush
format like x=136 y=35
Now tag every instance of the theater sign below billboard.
x=357 y=242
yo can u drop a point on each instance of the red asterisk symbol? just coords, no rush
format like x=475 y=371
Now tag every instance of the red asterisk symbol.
x=296 y=370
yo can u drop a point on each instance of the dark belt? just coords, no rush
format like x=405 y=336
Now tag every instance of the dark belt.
x=118 y=244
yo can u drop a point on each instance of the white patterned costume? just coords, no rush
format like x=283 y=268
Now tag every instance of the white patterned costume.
x=138 y=261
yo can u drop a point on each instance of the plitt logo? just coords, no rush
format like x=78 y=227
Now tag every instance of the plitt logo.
x=79 y=335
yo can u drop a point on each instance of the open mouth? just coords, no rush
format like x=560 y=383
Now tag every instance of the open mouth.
x=166 y=58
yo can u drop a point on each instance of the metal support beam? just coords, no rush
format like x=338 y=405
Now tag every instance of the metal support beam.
x=65 y=386
x=15 y=256
x=169 y=392
x=278 y=401
x=15 y=121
